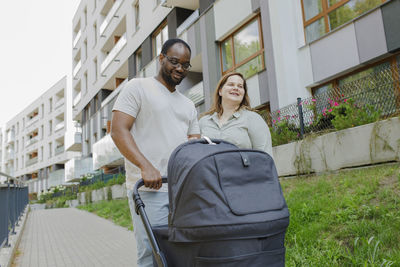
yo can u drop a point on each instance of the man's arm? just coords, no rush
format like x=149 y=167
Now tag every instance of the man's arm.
x=194 y=136
x=120 y=133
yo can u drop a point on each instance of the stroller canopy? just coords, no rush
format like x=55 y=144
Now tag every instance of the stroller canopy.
x=220 y=192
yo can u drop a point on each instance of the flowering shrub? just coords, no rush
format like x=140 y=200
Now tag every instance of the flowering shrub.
x=283 y=131
x=345 y=114
x=348 y=114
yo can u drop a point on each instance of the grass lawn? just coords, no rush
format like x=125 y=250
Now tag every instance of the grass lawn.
x=350 y=218
x=116 y=210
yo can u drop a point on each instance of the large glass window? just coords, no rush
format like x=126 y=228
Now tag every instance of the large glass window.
x=159 y=37
x=243 y=51
x=322 y=16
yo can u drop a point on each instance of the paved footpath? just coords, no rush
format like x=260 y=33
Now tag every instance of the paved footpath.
x=71 y=237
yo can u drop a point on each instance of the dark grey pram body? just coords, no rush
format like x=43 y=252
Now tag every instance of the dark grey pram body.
x=226 y=208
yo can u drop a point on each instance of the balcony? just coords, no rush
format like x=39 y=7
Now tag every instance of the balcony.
x=10 y=154
x=73 y=139
x=56 y=178
x=105 y=153
x=77 y=98
x=188 y=4
x=31 y=161
x=188 y=22
x=32 y=120
x=196 y=93
x=32 y=141
x=59 y=103
x=149 y=70
x=76 y=167
x=77 y=68
x=10 y=137
x=114 y=93
x=110 y=16
x=59 y=126
x=113 y=53
x=77 y=37
x=59 y=150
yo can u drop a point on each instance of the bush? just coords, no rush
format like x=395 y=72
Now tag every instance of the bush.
x=283 y=132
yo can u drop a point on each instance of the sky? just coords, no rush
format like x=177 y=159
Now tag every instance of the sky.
x=36 y=51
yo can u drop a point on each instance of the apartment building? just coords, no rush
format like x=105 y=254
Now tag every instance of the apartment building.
x=33 y=141
x=286 y=49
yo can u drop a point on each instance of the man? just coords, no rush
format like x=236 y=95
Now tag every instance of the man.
x=150 y=119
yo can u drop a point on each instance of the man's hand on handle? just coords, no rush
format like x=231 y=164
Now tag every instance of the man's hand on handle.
x=151 y=176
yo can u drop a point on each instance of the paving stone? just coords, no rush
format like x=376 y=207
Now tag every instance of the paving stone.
x=71 y=237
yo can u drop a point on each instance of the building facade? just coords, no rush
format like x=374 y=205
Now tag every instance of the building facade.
x=286 y=49
x=33 y=141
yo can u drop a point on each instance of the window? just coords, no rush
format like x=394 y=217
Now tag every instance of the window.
x=50 y=150
x=95 y=34
x=50 y=127
x=95 y=70
x=138 y=56
x=159 y=37
x=243 y=51
x=50 y=105
x=137 y=15
x=323 y=16
x=377 y=85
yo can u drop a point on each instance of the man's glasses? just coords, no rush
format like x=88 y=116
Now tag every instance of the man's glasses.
x=186 y=66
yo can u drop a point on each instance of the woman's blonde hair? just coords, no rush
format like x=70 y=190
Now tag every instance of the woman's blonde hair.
x=217 y=99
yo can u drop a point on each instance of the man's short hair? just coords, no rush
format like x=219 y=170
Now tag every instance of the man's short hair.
x=170 y=42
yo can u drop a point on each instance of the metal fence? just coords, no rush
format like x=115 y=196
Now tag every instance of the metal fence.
x=372 y=97
x=13 y=200
x=102 y=177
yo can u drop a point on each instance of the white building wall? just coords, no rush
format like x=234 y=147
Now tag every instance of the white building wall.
x=54 y=112
x=229 y=14
x=291 y=55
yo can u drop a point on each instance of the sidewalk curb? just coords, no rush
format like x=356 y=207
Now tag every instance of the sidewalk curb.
x=7 y=254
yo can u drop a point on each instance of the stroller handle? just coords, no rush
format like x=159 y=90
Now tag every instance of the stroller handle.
x=140 y=183
x=139 y=208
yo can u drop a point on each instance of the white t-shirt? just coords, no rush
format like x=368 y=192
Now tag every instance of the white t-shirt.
x=163 y=121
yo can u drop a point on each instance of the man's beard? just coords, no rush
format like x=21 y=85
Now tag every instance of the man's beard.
x=168 y=79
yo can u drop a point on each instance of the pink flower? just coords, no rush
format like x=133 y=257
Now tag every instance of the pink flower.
x=336 y=104
x=273 y=121
x=279 y=118
x=314 y=100
x=278 y=111
x=345 y=100
x=330 y=110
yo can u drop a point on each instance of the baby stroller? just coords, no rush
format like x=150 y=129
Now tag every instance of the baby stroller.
x=226 y=208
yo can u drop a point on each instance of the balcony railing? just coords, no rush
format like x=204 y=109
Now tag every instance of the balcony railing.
x=105 y=152
x=56 y=178
x=188 y=22
x=59 y=103
x=109 y=16
x=10 y=137
x=31 y=161
x=196 y=93
x=33 y=120
x=73 y=138
x=59 y=126
x=77 y=68
x=114 y=93
x=149 y=70
x=113 y=53
x=32 y=141
x=77 y=37
x=10 y=154
x=77 y=98
x=59 y=150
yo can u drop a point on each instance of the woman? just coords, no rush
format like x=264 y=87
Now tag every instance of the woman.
x=231 y=119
